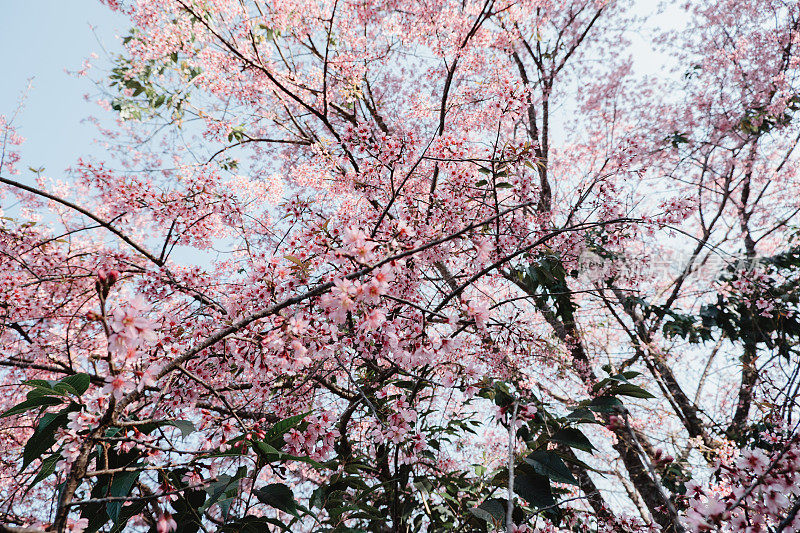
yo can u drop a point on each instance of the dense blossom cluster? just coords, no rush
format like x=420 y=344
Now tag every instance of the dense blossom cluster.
x=756 y=491
x=331 y=276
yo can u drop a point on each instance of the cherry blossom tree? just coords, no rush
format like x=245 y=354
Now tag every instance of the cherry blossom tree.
x=430 y=265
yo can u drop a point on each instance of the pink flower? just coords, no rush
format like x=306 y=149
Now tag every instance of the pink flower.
x=130 y=328
x=77 y=526
x=299 y=349
x=484 y=248
x=353 y=237
x=765 y=307
x=356 y=243
x=228 y=429
x=117 y=385
x=419 y=442
x=527 y=412
x=342 y=292
x=696 y=521
x=166 y=523
x=479 y=312
x=713 y=509
x=148 y=377
x=404 y=231
x=298 y=325
x=775 y=501
x=192 y=478
x=80 y=420
x=753 y=460
x=294 y=438
x=374 y=320
x=374 y=291
x=693 y=489
x=384 y=274
x=109 y=277
x=71 y=449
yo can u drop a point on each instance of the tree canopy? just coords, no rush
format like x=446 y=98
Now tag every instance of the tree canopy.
x=420 y=265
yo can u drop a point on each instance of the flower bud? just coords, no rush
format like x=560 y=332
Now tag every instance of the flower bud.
x=112 y=276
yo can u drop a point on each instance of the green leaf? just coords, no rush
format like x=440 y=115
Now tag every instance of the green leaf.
x=550 y=464
x=493 y=511
x=38 y=392
x=32 y=403
x=186 y=428
x=46 y=469
x=65 y=389
x=582 y=414
x=600 y=384
x=270 y=454
x=216 y=489
x=573 y=438
x=575 y=461
x=319 y=496
x=252 y=524
x=535 y=488
x=222 y=486
x=502 y=396
x=44 y=435
x=279 y=496
x=605 y=404
x=187 y=507
x=128 y=511
x=44 y=384
x=627 y=389
x=121 y=486
x=274 y=435
x=78 y=382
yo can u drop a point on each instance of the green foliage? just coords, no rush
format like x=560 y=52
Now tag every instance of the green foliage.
x=279 y=496
x=546 y=280
x=142 y=97
x=573 y=438
x=677 y=138
x=123 y=470
x=493 y=511
x=32 y=403
x=43 y=437
x=50 y=393
x=117 y=484
x=674 y=477
x=184 y=426
x=758 y=120
x=550 y=465
x=734 y=313
x=686 y=327
x=549 y=461
x=497 y=176
x=619 y=385
x=274 y=436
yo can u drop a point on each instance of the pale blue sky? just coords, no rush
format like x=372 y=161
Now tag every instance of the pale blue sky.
x=39 y=39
